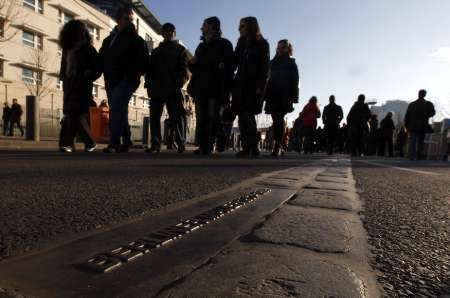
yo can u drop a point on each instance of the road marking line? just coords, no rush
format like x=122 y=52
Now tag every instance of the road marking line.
x=397 y=168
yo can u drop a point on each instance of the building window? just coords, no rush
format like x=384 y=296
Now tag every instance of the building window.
x=133 y=100
x=145 y=103
x=59 y=84
x=1 y=68
x=36 y=5
x=2 y=27
x=95 y=91
x=64 y=17
x=149 y=41
x=94 y=32
x=32 y=39
x=137 y=25
x=28 y=76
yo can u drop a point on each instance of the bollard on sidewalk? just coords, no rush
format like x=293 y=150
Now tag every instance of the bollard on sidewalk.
x=32 y=113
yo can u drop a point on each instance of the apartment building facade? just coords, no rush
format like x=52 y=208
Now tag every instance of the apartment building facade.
x=30 y=57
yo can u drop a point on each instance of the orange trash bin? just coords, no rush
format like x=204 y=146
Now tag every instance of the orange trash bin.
x=99 y=121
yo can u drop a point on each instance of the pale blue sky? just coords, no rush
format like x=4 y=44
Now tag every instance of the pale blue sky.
x=386 y=49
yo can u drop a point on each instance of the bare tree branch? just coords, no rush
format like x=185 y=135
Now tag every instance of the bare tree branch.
x=41 y=86
x=10 y=10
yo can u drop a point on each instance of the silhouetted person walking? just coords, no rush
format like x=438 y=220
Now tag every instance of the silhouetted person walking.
x=80 y=67
x=386 y=135
x=417 y=123
x=124 y=57
x=402 y=136
x=373 y=137
x=166 y=75
x=16 y=115
x=331 y=118
x=282 y=90
x=310 y=113
x=297 y=142
x=6 y=117
x=357 y=125
x=252 y=59
x=211 y=82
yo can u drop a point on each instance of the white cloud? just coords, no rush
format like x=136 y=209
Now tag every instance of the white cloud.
x=442 y=54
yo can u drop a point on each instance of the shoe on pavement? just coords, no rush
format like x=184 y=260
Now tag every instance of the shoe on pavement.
x=91 y=148
x=181 y=149
x=153 y=149
x=65 y=149
x=111 y=149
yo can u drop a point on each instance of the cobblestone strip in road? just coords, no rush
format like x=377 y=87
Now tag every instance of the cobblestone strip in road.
x=314 y=246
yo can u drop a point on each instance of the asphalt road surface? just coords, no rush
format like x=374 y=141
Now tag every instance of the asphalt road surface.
x=407 y=216
x=48 y=196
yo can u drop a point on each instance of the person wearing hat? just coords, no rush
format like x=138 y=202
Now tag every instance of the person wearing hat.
x=211 y=83
x=166 y=75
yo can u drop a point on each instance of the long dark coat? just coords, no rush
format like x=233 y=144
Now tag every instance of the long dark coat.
x=252 y=59
x=358 y=116
x=418 y=114
x=78 y=88
x=282 y=87
x=212 y=75
x=124 y=56
x=387 y=128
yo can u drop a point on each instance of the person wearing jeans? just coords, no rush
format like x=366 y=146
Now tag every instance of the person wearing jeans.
x=118 y=100
x=416 y=122
x=175 y=110
x=166 y=75
x=124 y=59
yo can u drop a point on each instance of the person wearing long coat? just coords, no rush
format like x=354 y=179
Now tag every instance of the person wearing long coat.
x=252 y=59
x=357 y=120
x=332 y=117
x=211 y=83
x=386 y=135
x=79 y=69
x=6 y=117
x=282 y=90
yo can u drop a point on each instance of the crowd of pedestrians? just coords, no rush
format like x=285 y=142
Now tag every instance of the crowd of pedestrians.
x=12 y=117
x=362 y=134
x=225 y=84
